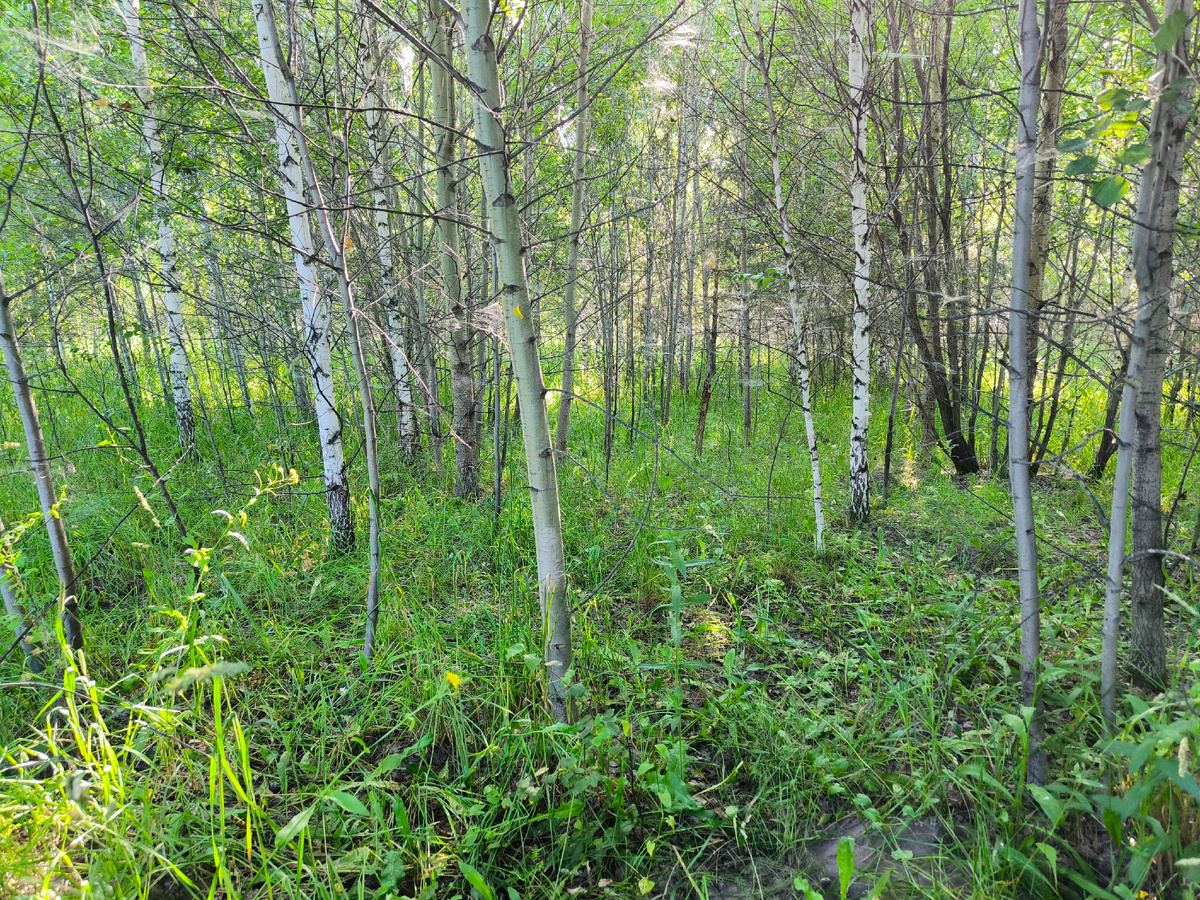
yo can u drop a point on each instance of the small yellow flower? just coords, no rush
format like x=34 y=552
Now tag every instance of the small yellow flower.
x=453 y=679
x=517 y=310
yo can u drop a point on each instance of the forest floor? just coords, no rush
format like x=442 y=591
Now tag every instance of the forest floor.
x=751 y=719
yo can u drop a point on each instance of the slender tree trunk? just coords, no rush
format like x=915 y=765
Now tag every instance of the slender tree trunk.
x=315 y=301
x=1018 y=399
x=710 y=355
x=424 y=335
x=21 y=625
x=223 y=319
x=42 y=475
x=462 y=379
x=570 y=312
x=149 y=334
x=1153 y=268
x=379 y=139
x=172 y=295
x=523 y=347
x=891 y=426
x=1057 y=60
x=860 y=476
x=334 y=246
x=793 y=294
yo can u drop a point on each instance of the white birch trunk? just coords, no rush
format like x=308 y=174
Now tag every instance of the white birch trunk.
x=793 y=290
x=315 y=304
x=570 y=312
x=860 y=479
x=172 y=294
x=1018 y=397
x=42 y=475
x=523 y=350
x=378 y=138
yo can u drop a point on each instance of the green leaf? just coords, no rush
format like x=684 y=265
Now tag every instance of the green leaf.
x=393 y=761
x=1050 y=804
x=570 y=809
x=1135 y=155
x=1189 y=865
x=1169 y=31
x=1113 y=825
x=1051 y=854
x=1113 y=98
x=1107 y=192
x=476 y=880
x=298 y=822
x=1170 y=768
x=845 y=864
x=393 y=869
x=880 y=886
x=1090 y=886
x=1016 y=723
x=1074 y=145
x=348 y=802
x=1083 y=165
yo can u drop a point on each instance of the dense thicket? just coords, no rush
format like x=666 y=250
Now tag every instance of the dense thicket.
x=777 y=273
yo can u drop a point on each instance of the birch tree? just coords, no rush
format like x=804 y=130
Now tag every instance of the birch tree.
x=523 y=351
x=1152 y=258
x=314 y=302
x=462 y=380
x=379 y=145
x=860 y=476
x=570 y=313
x=798 y=329
x=172 y=290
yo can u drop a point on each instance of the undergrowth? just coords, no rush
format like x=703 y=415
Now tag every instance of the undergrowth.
x=739 y=701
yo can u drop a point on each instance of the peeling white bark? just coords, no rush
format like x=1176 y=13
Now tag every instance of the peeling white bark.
x=314 y=301
x=377 y=101
x=860 y=481
x=172 y=292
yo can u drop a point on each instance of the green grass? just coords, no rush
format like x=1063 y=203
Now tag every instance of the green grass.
x=729 y=711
